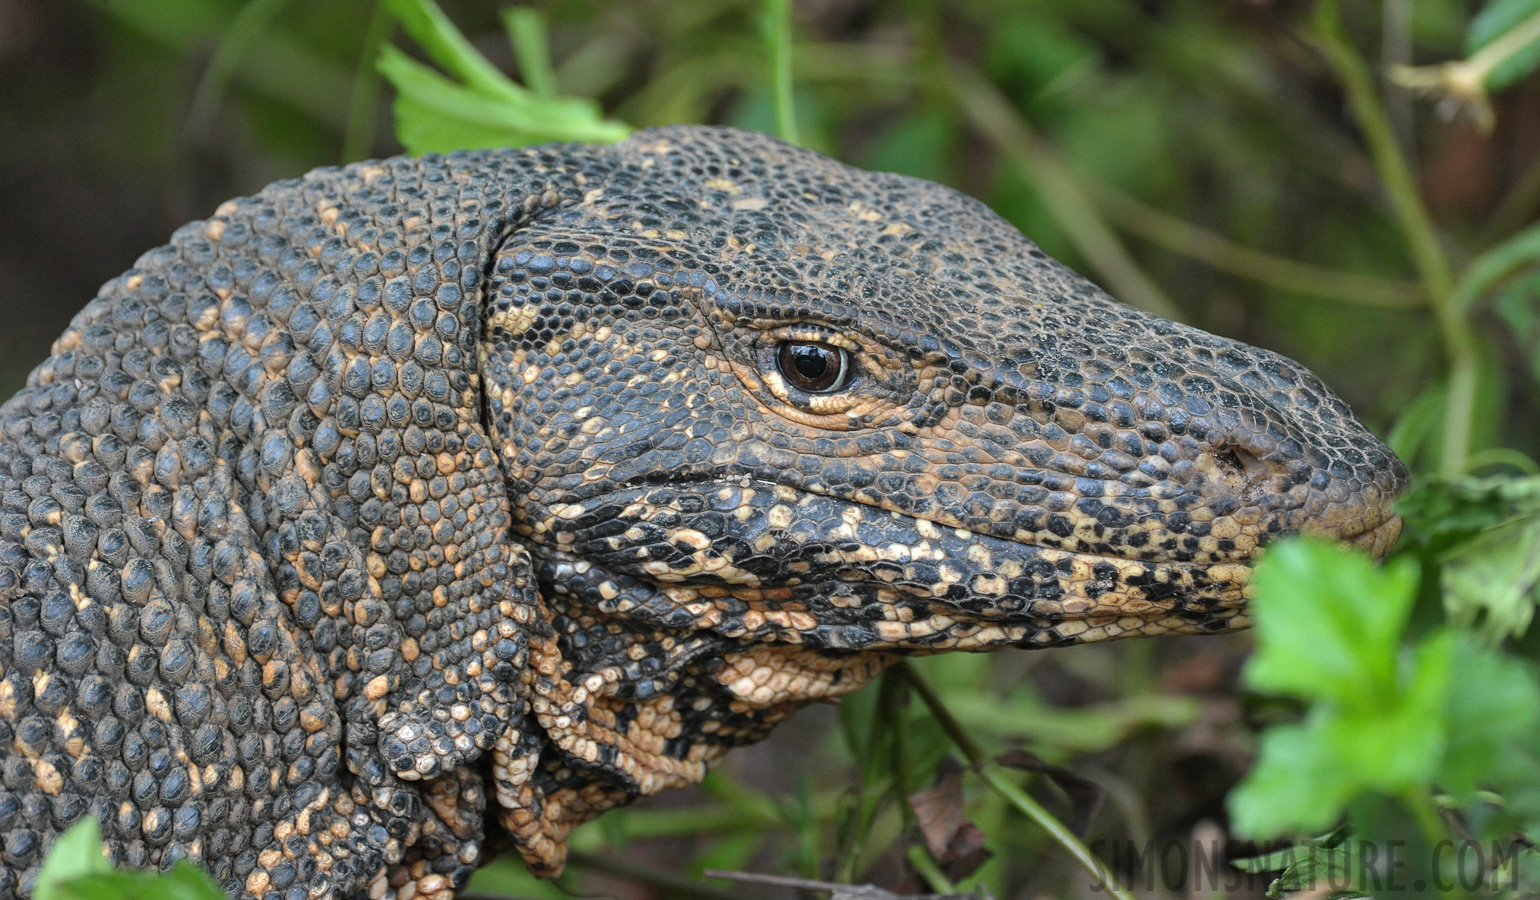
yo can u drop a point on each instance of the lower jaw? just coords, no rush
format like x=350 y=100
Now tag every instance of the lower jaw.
x=1378 y=540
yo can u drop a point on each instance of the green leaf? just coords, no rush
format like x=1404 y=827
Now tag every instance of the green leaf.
x=1307 y=774
x=1313 y=866
x=1486 y=534
x=1279 y=860
x=1455 y=509
x=1496 y=574
x=1495 y=20
x=1329 y=630
x=445 y=45
x=77 y=853
x=1329 y=623
x=1497 y=264
x=184 y=881
x=435 y=114
x=77 y=869
x=1493 y=715
x=531 y=50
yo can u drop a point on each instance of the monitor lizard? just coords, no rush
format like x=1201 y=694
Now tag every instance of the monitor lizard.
x=518 y=484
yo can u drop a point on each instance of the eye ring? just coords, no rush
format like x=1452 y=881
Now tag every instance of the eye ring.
x=814 y=367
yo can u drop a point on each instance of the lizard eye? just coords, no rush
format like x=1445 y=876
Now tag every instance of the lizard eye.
x=813 y=366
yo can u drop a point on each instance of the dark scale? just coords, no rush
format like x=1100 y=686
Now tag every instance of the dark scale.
x=515 y=485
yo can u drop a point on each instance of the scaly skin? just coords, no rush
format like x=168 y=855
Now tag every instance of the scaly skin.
x=404 y=484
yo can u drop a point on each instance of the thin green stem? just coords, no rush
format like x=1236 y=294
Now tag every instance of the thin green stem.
x=881 y=66
x=943 y=716
x=777 y=24
x=929 y=870
x=894 y=702
x=648 y=823
x=1496 y=265
x=363 y=105
x=239 y=37
x=1060 y=189
x=1433 y=267
x=1429 y=822
x=1007 y=788
x=669 y=884
x=1183 y=237
x=1363 y=99
x=1503 y=456
x=1513 y=41
x=1516 y=209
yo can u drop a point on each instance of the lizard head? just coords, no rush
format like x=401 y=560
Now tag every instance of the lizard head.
x=768 y=420
x=747 y=389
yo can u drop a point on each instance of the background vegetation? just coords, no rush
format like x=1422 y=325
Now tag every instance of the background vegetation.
x=1265 y=169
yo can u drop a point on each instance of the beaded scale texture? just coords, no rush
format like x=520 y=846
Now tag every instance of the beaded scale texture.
x=512 y=485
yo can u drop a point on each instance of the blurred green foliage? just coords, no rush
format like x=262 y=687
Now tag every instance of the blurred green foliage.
x=1258 y=168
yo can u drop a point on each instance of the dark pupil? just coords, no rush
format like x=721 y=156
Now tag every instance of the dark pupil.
x=810 y=366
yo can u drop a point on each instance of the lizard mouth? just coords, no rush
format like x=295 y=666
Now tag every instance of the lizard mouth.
x=772 y=563
x=1377 y=539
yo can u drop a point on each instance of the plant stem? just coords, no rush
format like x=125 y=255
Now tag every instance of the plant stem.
x=1503 y=456
x=1416 y=225
x=669 y=884
x=1061 y=191
x=363 y=105
x=1485 y=61
x=1426 y=815
x=238 y=37
x=1516 y=209
x=1183 y=237
x=777 y=23
x=1007 y=788
x=923 y=864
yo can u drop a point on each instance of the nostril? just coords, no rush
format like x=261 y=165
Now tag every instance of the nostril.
x=1242 y=463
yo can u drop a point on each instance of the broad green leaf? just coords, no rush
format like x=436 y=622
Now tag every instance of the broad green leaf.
x=1329 y=623
x=77 y=869
x=184 y=881
x=1306 y=774
x=1493 y=715
x=1495 y=20
x=77 y=853
x=1293 y=785
x=1329 y=630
